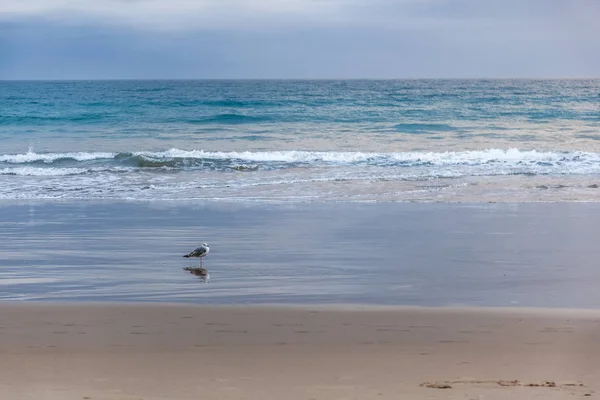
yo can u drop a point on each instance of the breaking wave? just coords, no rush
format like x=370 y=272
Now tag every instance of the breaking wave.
x=493 y=159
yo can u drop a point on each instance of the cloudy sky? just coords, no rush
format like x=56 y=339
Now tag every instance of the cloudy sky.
x=108 y=39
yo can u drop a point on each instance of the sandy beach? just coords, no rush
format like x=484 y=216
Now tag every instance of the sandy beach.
x=125 y=352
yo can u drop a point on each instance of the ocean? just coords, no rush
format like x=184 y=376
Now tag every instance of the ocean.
x=301 y=141
x=396 y=192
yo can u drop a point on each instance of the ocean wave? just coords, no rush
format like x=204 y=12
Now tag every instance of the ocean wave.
x=240 y=103
x=48 y=158
x=423 y=128
x=216 y=160
x=141 y=161
x=227 y=119
x=507 y=157
x=33 y=171
x=50 y=119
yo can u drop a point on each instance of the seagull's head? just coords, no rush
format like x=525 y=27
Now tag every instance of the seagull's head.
x=205 y=244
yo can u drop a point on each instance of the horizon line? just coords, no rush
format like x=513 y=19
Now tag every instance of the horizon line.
x=293 y=79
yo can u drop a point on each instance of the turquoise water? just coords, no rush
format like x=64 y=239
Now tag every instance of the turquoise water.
x=282 y=141
x=302 y=190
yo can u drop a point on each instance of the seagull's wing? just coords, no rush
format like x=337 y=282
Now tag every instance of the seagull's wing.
x=198 y=252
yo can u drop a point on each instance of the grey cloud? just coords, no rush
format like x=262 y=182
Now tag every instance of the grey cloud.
x=375 y=39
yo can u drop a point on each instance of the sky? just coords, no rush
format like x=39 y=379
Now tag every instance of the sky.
x=298 y=39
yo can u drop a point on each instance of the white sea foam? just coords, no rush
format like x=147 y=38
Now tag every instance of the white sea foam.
x=499 y=156
x=514 y=156
x=33 y=171
x=63 y=171
x=31 y=156
x=301 y=174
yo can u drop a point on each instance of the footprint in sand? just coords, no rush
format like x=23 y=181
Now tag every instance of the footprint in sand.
x=571 y=387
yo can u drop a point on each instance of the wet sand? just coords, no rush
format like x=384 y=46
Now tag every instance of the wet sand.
x=162 y=351
x=501 y=255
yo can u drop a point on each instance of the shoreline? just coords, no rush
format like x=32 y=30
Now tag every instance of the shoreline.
x=284 y=202
x=331 y=307
x=484 y=254
x=170 y=351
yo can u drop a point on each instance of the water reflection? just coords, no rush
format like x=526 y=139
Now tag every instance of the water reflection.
x=200 y=272
x=384 y=253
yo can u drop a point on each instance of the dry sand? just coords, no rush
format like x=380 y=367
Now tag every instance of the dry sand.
x=126 y=352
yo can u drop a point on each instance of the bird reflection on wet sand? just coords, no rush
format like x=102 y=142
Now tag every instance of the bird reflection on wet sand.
x=200 y=272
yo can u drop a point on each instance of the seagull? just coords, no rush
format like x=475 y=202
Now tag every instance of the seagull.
x=199 y=252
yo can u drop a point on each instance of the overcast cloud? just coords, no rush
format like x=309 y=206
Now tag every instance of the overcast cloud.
x=83 y=39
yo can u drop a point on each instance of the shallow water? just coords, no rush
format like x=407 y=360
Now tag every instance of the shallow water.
x=299 y=141
x=392 y=253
